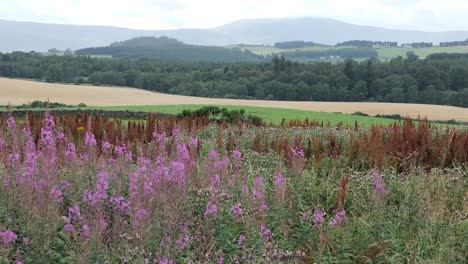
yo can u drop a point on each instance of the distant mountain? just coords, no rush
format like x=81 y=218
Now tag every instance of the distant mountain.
x=165 y=48
x=325 y=31
x=27 y=36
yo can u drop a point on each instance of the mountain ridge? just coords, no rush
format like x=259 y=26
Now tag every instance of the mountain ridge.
x=27 y=36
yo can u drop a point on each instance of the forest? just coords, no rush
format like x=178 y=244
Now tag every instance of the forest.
x=438 y=79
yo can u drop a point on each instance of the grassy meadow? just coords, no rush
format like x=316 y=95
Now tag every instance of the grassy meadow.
x=95 y=190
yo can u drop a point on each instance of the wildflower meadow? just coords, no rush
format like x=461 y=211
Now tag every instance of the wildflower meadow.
x=94 y=190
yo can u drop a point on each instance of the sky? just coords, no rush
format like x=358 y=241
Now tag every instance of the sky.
x=428 y=15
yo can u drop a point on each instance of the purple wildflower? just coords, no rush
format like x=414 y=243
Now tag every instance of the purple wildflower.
x=379 y=190
x=8 y=237
x=211 y=210
x=266 y=233
x=242 y=240
x=237 y=211
x=339 y=217
x=279 y=180
x=237 y=155
x=90 y=140
x=318 y=218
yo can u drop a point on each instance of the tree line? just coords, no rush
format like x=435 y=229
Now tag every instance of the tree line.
x=439 y=79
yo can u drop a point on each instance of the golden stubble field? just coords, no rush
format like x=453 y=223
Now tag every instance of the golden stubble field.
x=23 y=91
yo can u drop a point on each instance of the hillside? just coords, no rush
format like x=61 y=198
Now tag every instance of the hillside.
x=164 y=48
x=27 y=36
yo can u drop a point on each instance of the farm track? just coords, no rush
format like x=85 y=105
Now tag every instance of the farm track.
x=16 y=92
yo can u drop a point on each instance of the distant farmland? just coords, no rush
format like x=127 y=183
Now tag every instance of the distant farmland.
x=22 y=91
x=384 y=52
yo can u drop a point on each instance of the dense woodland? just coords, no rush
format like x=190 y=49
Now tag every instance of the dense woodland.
x=170 y=49
x=441 y=79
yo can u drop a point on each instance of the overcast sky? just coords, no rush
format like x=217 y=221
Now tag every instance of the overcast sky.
x=429 y=15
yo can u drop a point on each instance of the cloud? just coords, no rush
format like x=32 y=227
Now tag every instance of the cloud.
x=431 y=15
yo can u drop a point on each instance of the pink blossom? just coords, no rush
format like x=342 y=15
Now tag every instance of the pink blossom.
x=139 y=218
x=279 y=180
x=85 y=231
x=11 y=123
x=8 y=237
x=237 y=211
x=237 y=155
x=266 y=233
x=121 y=205
x=70 y=153
x=89 y=139
x=339 y=217
x=106 y=147
x=69 y=228
x=318 y=218
x=379 y=190
x=211 y=210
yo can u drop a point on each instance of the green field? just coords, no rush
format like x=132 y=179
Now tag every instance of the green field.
x=268 y=50
x=274 y=115
x=385 y=53
x=389 y=53
x=268 y=115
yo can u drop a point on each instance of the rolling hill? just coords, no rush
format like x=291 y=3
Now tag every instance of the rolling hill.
x=165 y=48
x=27 y=36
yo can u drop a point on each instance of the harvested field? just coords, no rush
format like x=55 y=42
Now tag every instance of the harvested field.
x=23 y=91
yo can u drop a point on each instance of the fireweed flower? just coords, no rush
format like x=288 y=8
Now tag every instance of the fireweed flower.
x=61 y=137
x=211 y=210
x=213 y=155
x=90 y=140
x=121 y=205
x=194 y=142
x=56 y=194
x=139 y=218
x=318 y=218
x=183 y=153
x=100 y=190
x=70 y=153
x=242 y=240
x=8 y=237
x=266 y=233
x=160 y=137
x=106 y=147
x=297 y=152
x=183 y=240
x=245 y=190
x=120 y=150
x=178 y=173
x=215 y=182
x=74 y=213
x=279 y=180
x=339 y=217
x=379 y=190
x=237 y=211
x=69 y=228
x=85 y=231
x=237 y=155
x=2 y=144
x=11 y=123
x=165 y=261
x=26 y=241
